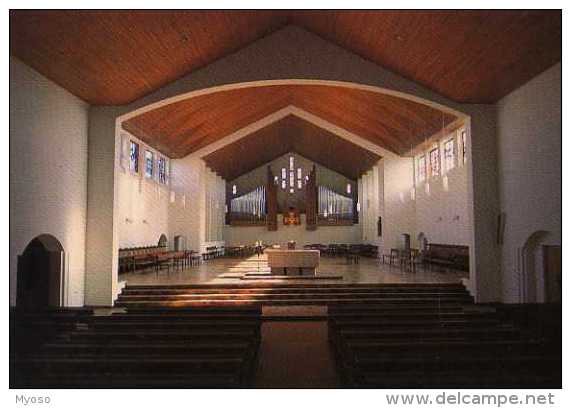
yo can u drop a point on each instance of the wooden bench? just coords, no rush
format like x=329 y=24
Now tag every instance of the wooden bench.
x=164 y=348
x=447 y=256
x=428 y=347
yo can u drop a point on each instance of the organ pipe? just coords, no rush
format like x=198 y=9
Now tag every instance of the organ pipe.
x=251 y=205
x=333 y=204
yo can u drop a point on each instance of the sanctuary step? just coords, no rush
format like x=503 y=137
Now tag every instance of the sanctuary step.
x=462 y=347
x=428 y=296
x=153 y=348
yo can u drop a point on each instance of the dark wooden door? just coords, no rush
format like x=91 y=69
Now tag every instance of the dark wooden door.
x=552 y=268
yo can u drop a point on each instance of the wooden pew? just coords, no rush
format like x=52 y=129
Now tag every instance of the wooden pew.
x=448 y=256
x=427 y=347
x=165 y=348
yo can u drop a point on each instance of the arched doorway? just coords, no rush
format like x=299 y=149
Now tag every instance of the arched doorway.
x=40 y=278
x=179 y=243
x=422 y=241
x=531 y=270
x=163 y=241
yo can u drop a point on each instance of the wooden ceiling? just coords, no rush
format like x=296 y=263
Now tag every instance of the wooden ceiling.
x=291 y=134
x=181 y=128
x=116 y=57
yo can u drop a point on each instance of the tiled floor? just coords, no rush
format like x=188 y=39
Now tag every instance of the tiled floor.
x=229 y=270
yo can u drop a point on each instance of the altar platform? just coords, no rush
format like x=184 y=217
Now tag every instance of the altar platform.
x=330 y=269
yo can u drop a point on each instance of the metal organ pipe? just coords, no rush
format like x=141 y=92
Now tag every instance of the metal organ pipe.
x=332 y=204
x=251 y=205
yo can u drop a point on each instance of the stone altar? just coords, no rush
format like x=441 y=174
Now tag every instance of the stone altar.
x=293 y=262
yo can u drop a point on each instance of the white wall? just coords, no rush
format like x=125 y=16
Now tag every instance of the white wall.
x=399 y=208
x=48 y=171
x=143 y=204
x=442 y=207
x=215 y=207
x=196 y=209
x=298 y=233
x=529 y=160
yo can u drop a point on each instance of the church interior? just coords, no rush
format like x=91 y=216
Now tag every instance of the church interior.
x=285 y=199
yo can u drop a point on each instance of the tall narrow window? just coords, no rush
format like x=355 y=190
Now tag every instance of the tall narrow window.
x=162 y=170
x=463 y=139
x=449 y=155
x=348 y=188
x=276 y=180
x=149 y=163
x=234 y=189
x=421 y=169
x=283 y=173
x=299 y=184
x=124 y=151
x=299 y=173
x=134 y=157
x=283 y=184
x=291 y=179
x=435 y=162
x=291 y=164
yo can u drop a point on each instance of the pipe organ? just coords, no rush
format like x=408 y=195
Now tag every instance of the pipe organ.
x=250 y=207
x=333 y=206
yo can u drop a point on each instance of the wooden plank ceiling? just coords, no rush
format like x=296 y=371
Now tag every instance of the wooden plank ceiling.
x=291 y=134
x=116 y=57
x=181 y=128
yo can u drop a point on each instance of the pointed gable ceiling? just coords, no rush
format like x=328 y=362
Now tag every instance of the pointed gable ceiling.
x=291 y=134
x=183 y=127
x=115 y=57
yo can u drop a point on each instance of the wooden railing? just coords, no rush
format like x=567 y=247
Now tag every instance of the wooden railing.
x=335 y=219
x=245 y=219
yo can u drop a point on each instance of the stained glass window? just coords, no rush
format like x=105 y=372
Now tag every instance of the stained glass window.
x=421 y=169
x=291 y=179
x=299 y=173
x=149 y=163
x=348 y=188
x=434 y=162
x=291 y=164
x=449 y=155
x=283 y=173
x=162 y=170
x=134 y=157
x=299 y=184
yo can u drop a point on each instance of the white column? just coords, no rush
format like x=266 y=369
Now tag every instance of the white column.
x=102 y=208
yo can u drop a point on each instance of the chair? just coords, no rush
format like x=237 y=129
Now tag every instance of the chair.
x=417 y=259
x=393 y=257
x=405 y=260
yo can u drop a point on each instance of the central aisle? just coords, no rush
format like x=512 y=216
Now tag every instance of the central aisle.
x=295 y=354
